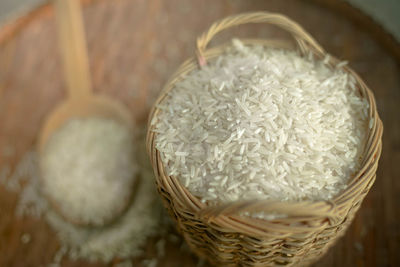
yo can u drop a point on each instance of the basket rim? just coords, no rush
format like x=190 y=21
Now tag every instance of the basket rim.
x=332 y=211
x=190 y=64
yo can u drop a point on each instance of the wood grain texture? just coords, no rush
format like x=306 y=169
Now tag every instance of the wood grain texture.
x=134 y=46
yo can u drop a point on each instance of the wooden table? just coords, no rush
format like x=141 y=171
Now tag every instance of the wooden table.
x=134 y=45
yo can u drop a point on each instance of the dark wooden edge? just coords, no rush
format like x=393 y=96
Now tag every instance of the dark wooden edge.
x=11 y=28
x=384 y=38
x=364 y=21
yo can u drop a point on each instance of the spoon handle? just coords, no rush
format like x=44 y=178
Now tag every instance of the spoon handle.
x=72 y=42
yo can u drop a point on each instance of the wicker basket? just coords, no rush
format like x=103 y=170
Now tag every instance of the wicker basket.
x=219 y=233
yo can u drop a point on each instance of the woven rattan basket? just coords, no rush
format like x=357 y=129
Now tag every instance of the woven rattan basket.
x=219 y=233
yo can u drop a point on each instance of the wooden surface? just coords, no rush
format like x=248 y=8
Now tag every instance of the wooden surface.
x=134 y=45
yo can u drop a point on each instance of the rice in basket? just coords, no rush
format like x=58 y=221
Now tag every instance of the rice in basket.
x=263 y=123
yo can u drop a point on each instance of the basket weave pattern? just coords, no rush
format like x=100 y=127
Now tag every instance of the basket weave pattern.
x=219 y=233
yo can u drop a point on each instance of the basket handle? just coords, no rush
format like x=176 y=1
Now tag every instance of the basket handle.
x=303 y=38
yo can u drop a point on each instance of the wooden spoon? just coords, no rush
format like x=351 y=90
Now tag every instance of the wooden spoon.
x=80 y=102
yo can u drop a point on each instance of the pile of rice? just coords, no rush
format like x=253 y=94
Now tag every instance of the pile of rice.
x=263 y=123
x=124 y=238
x=88 y=169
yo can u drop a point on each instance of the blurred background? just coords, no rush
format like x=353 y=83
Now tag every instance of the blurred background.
x=385 y=12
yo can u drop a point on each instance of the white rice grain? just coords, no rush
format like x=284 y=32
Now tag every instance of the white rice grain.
x=292 y=125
